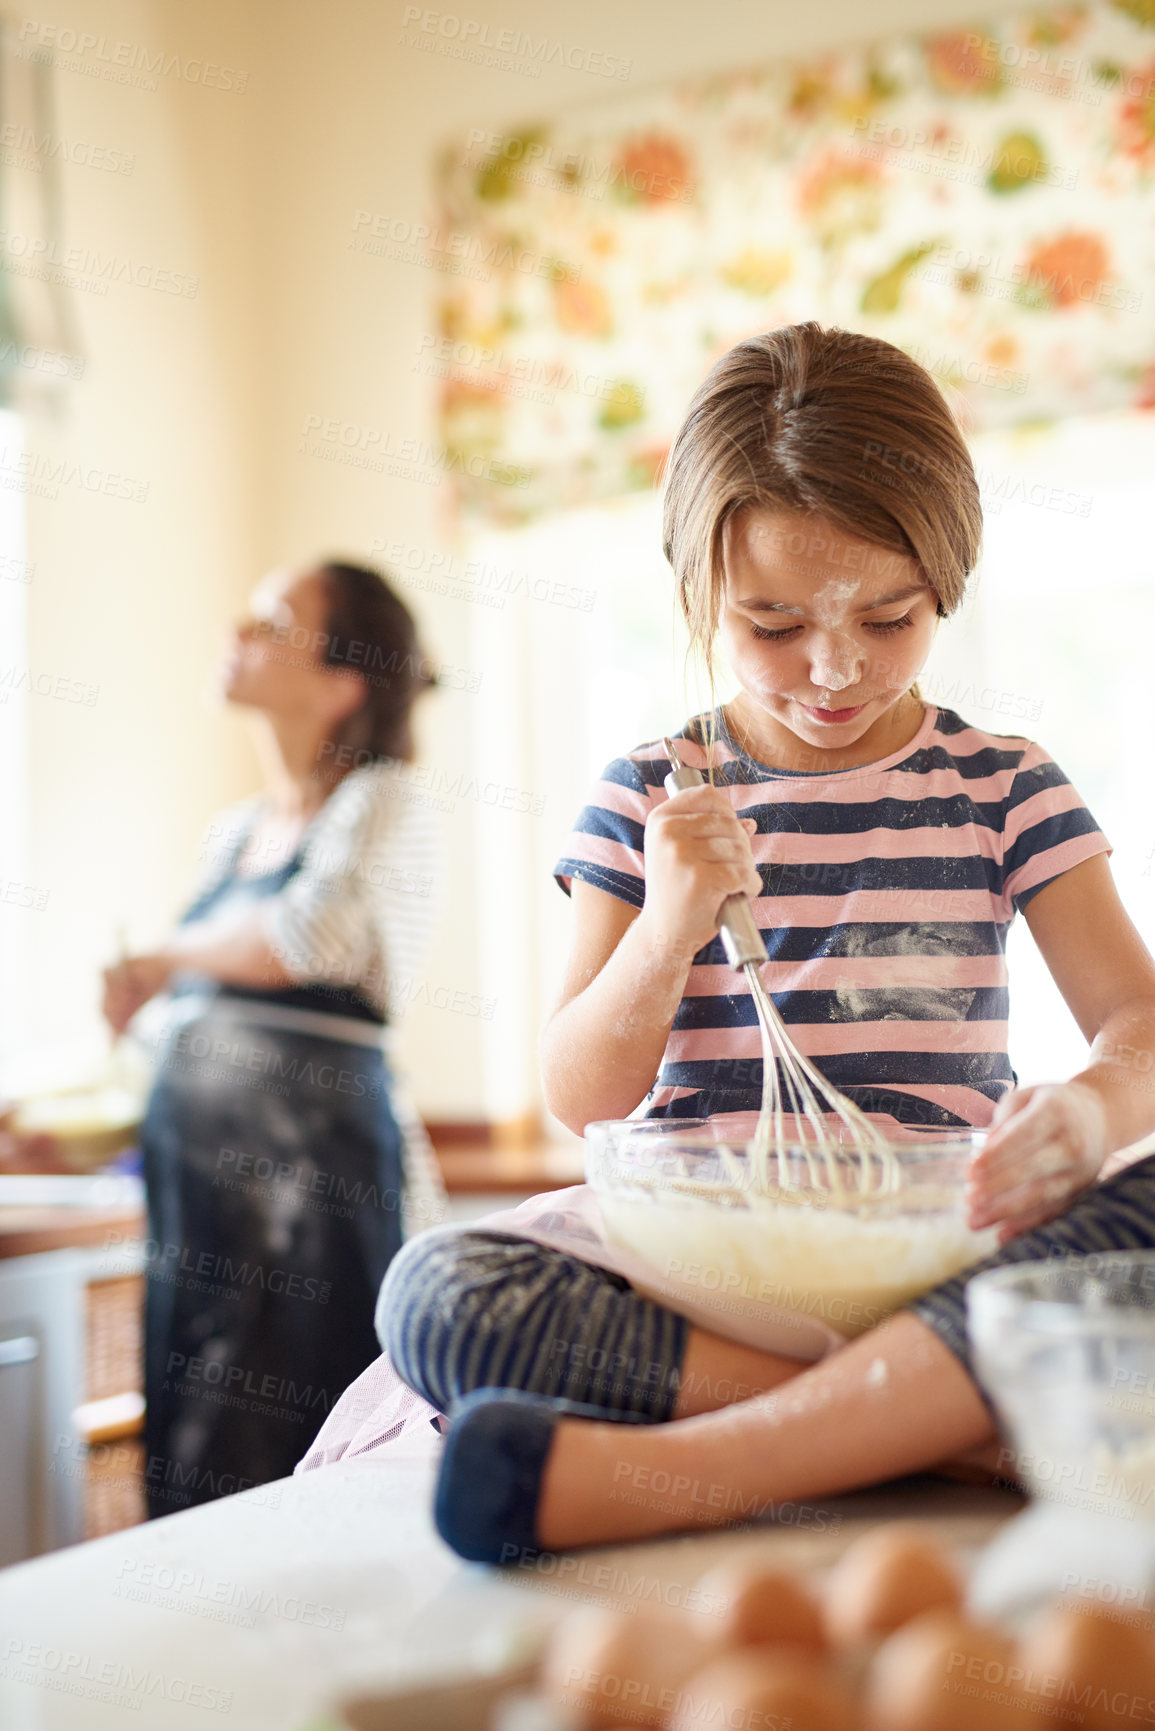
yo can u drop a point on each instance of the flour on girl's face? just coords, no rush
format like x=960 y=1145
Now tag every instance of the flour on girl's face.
x=832 y=603
x=831 y=607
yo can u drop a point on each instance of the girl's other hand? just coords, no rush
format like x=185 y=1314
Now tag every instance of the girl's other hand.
x=131 y=983
x=697 y=854
x=1046 y=1143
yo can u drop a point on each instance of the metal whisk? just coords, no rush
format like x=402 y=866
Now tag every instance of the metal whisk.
x=792 y=1088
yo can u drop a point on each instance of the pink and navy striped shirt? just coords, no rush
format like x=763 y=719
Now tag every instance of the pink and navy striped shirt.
x=887 y=895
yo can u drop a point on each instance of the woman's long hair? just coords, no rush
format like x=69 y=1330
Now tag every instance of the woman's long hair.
x=371 y=631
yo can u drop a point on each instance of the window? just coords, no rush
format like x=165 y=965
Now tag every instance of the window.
x=1063 y=619
x=17 y=894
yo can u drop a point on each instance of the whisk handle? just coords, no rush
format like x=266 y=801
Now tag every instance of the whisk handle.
x=741 y=939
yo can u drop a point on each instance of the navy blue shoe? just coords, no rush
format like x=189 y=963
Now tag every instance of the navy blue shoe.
x=485 y=1504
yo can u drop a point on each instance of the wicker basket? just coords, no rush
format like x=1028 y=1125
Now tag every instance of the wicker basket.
x=114 y=1486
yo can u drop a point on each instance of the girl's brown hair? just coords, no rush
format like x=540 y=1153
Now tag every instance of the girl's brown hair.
x=370 y=629
x=826 y=422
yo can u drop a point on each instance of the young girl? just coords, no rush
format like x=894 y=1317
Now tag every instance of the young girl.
x=821 y=516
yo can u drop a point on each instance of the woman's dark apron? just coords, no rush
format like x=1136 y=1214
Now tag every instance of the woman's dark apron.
x=272 y=1162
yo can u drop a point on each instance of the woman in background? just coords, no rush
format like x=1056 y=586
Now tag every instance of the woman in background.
x=274 y=1145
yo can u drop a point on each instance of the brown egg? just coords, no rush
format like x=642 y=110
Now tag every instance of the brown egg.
x=941 y=1673
x=756 y=1606
x=1091 y=1661
x=610 y=1667
x=757 y=1690
x=891 y=1574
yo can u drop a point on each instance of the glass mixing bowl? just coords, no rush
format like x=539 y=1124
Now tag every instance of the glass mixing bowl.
x=1066 y=1350
x=683 y=1194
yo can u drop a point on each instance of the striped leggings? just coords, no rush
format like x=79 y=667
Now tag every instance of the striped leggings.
x=476 y=1309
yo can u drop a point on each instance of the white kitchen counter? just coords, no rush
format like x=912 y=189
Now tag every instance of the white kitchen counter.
x=250 y=1611
x=260 y=1610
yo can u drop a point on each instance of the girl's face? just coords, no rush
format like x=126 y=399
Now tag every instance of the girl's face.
x=824 y=632
x=276 y=660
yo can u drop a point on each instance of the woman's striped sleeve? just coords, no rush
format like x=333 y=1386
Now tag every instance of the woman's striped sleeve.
x=361 y=909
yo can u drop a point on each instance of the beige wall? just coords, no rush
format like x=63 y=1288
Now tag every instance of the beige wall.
x=131 y=596
x=208 y=398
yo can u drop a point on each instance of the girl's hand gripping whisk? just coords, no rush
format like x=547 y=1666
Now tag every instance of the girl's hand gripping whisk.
x=740 y=935
x=698 y=856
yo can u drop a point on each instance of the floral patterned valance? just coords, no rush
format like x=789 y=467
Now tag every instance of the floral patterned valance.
x=982 y=198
